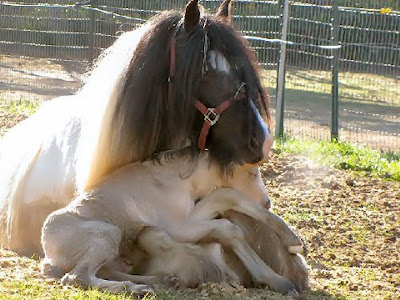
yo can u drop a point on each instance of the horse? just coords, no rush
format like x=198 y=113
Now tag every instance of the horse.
x=86 y=235
x=180 y=79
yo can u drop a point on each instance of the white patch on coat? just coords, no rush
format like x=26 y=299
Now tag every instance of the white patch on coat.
x=218 y=62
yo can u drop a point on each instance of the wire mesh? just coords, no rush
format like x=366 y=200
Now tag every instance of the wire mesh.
x=40 y=50
x=308 y=77
x=369 y=85
x=45 y=47
x=369 y=77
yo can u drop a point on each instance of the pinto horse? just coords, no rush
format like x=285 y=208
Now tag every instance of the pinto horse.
x=181 y=79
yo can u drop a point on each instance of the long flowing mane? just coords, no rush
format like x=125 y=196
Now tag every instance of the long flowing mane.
x=138 y=118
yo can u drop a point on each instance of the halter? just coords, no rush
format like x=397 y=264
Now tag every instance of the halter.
x=211 y=114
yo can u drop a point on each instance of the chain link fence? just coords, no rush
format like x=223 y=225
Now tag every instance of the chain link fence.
x=46 y=47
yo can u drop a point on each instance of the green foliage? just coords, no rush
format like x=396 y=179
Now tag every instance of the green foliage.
x=345 y=156
x=19 y=107
x=32 y=288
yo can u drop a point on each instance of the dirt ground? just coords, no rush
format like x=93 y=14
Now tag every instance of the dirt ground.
x=350 y=224
x=38 y=79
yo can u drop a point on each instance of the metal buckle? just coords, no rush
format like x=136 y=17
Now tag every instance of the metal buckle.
x=212 y=117
x=239 y=90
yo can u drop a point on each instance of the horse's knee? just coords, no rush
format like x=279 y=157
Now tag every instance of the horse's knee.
x=227 y=232
x=113 y=235
x=155 y=241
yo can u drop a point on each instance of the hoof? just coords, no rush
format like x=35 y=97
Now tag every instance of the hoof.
x=171 y=281
x=137 y=289
x=294 y=294
x=284 y=286
x=74 y=280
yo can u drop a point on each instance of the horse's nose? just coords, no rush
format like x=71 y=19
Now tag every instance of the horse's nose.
x=267 y=145
x=267 y=203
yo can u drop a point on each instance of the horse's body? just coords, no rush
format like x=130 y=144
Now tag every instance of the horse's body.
x=45 y=158
x=86 y=235
x=133 y=105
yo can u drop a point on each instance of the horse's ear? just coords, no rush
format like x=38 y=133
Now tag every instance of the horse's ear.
x=192 y=15
x=224 y=12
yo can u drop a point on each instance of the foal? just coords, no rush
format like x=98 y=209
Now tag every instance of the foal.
x=156 y=253
x=86 y=235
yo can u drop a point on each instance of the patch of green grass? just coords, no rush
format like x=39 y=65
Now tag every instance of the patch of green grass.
x=346 y=156
x=32 y=288
x=19 y=107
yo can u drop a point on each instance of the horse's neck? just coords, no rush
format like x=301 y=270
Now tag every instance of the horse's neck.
x=102 y=148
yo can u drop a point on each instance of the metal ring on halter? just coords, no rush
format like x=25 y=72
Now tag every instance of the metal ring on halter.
x=212 y=117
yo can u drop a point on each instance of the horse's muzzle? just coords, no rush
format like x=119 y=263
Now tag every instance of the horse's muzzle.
x=267 y=145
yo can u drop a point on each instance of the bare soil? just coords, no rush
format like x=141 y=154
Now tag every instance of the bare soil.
x=38 y=79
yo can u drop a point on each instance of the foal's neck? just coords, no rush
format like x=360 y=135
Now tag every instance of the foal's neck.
x=205 y=178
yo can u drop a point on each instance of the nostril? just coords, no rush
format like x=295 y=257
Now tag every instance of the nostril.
x=254 y=144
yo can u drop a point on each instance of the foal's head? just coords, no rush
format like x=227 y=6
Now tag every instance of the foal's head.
x=247 y=180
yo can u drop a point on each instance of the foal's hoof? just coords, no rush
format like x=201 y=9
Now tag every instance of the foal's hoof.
x=285 y=286
x=137 y=289
x=75 y=280
x=171 y=281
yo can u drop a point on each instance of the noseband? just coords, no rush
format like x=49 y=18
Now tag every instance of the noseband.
x=211 y=114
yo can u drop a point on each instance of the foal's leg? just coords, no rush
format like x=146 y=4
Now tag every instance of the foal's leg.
x=231 y=236
x=224 y=199
x=112 y=274
x=82 y=248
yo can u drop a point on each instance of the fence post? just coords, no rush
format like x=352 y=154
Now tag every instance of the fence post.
x=335 y=70
x=280 y=86
x=92 y=29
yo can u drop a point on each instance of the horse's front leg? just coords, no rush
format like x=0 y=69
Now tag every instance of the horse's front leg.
x=229 y=235
x=224 y=199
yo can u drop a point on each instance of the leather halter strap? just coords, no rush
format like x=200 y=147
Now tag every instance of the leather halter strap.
x=211 y=115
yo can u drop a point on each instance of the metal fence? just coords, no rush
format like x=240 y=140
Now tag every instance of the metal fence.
x=318 y=47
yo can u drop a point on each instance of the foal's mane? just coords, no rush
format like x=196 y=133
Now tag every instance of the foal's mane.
x=143 y=121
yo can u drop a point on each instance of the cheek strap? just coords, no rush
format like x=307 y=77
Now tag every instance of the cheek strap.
x=212 y=115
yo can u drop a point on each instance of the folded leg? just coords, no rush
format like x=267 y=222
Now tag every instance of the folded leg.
x=189 y=264
x=231 y=236
x=269 y=248
x=225 y=199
